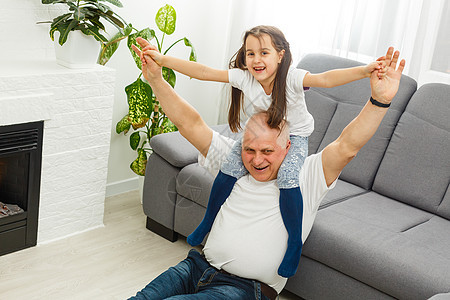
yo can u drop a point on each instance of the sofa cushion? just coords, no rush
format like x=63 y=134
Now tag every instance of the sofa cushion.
x=349 y=99
x=444 y=208
x=389 y=245
x=195 y=183
x=174 y=148
x=341 y=192
x=416 y=167
x=188 y=215
x=322 y=108
x=315 y=280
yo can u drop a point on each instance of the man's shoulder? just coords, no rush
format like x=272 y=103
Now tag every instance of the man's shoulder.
x=218 y=150
x=312 y=160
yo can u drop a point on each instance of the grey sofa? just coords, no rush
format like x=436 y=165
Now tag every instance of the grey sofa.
x=383 y=232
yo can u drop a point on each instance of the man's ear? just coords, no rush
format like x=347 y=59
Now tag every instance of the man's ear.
x=288 y=145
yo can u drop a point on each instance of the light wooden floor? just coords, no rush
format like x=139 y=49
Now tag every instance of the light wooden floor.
x=113 y=262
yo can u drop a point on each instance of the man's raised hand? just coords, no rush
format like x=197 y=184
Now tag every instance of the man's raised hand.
x=150 y=69
x=385 y=87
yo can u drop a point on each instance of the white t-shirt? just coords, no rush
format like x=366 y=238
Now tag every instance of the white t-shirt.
x=248 y=237
x=300 y=121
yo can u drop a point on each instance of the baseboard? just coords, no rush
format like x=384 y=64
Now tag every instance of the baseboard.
x=122 y=186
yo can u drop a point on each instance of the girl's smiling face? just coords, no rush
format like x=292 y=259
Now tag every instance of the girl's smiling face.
x=262 y=60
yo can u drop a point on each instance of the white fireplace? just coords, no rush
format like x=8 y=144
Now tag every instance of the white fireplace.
x=76 y=107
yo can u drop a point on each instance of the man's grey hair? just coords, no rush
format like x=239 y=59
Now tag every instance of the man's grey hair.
x=283 y=128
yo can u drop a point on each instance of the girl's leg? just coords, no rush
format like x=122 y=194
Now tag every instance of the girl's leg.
x=232 y=169
x=291 y=203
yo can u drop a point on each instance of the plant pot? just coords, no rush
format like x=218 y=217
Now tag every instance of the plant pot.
x=79 y=51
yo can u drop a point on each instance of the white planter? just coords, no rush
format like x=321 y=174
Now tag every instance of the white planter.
x=79 y=51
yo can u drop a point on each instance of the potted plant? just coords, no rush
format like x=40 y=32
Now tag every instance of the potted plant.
x=145 y=117
x=83 y=21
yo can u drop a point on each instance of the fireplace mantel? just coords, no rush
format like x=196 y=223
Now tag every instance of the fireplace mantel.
x=76 y=107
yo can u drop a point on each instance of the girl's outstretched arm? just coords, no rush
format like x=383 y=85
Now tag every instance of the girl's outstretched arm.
x=188 y=68
x=338 y=77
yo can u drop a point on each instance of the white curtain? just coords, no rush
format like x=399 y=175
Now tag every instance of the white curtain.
x=361 y=30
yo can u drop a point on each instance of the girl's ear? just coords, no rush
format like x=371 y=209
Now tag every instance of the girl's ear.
x=280 y=56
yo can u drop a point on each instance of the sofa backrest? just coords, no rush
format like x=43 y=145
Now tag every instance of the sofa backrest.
x=416 y=166
x=334 y=108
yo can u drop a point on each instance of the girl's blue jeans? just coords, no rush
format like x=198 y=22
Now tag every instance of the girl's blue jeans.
x=195 y=278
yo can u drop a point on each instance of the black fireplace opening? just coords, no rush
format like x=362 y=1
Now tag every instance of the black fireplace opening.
x=20 y=178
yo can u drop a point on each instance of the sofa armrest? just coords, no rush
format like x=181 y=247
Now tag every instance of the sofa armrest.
x=177 y=151
x=174 y=148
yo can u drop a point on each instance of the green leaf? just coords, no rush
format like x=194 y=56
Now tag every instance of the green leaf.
x=169 y=76
x=94 y=31
x=95 y=20
x=193 y=55
x=123 y=125
x=103 y=7
x=79 y=14
x=113 y=20
x=56 y=22
x=109 y=48
x=135 y=138
x=139 y=95
x=166 y=18
x=127 y=30
x=64 y=30
x=139 y=164
x=107 y=15
x=145 y=34
x=168 y=126
x=114 y=2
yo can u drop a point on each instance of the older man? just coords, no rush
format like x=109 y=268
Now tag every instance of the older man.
x=248 y=238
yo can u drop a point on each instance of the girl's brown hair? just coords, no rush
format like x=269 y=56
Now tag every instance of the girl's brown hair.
x=277 y=109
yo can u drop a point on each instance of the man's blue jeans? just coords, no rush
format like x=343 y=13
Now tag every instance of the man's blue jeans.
x=195 y=278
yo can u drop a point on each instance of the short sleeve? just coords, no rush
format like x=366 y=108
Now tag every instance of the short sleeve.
x=312 y=181
x=217 y=153
x=239 y=78
x=295 y=79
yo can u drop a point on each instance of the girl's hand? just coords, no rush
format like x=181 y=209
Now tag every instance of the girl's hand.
x=150 y=50
x=154 y=54
x=378 y=66
x=150 y=69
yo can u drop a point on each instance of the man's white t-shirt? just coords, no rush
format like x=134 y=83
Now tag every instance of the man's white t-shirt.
x=300 y=121
x=248 y=237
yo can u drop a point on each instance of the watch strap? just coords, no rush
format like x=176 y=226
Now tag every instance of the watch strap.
x=379 y=104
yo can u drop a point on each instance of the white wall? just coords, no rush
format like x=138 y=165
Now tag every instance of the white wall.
x=21 y=37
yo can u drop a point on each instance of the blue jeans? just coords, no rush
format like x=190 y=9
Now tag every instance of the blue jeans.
x=195 y=278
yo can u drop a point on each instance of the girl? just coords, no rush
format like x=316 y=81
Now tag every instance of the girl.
x=263 y=79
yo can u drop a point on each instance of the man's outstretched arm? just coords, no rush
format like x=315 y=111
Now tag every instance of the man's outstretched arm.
x=356 y=134
x=180 y=112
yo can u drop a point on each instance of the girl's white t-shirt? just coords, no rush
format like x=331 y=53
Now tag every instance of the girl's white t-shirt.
x=248 y=237
x=300 y=121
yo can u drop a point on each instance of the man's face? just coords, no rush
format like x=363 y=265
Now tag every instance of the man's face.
x=262 y=152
